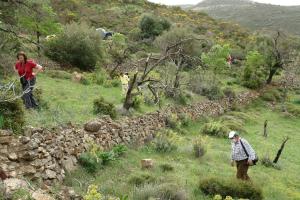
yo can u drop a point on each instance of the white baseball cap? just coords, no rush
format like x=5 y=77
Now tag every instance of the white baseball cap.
x=232 y=134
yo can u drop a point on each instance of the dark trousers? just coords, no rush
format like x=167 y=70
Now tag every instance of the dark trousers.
x=28 y=99
x=242 y=169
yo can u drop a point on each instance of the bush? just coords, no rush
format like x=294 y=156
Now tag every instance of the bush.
x=234 y=188
x=254 y=72
x=141 y=179
x=13 y=116
x=103 y=107
x=206 y=84
x=164 y=191
x=119 y=150
x=99 y=77
x=266 y=161
x=152 y=26
x=89 y=162
x=137 y=102
x=78 y=45
x=200 y=146
x=166 y=167
x=272 y=95
x=172 y=121
x=106 y=157
x=1 y=121
x=215 y=128
x=166 y=142
x=185 y=119
x=85 y=81
x=229 y=93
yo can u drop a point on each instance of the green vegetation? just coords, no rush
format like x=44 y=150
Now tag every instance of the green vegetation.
x=187 y=170
x=253 y=15
x=12 y=115
x=173 y=58
x=236 y=189
x=78 y=45
x=105 y=108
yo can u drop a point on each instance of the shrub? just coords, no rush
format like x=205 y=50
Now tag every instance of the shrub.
x=181 y=98
x=185 y=119
x=106 y=157
x=141 y=179
x=93 y=194
x=229 y=93
x=166 y=167
x=137 y=102
x=266 y=161
x=119 y=150
x=78 y=45
x=160 y=191
x=172 y=121
x=234 y=188
x=254 y=73
x=99 y=77
x=85 y=81
x=152 y=26
x=89 y=162
x=200 y=146
x=115 y=83
x=272 y=95
x=215 y=128
x=166 y=141
x=103 y=107
x=13 y=116
x=205 y=84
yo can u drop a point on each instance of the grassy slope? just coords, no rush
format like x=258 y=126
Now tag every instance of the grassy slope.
x=254 y=15
x=276 y=185
x=69 y=101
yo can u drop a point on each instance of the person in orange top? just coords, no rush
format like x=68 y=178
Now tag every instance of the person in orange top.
x=24 y=68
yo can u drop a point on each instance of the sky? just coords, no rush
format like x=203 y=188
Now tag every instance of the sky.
x=177 y=2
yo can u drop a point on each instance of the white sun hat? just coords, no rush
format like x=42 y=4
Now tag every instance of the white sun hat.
x=232 y=134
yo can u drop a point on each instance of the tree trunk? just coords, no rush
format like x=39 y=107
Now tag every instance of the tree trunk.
x=177 y=78
x=265 y=128
x=112 y=73
x=280 y=150
x=271 y=74
x=153 y=91
x=129 y=97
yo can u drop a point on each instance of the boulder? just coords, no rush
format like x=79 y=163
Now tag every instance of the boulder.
x=50 y=174
x=147 y=163
x=77 y=77
x=41 y=195
x=13 y=184
x=13 y=157
x=92 y=126
x=68 y=163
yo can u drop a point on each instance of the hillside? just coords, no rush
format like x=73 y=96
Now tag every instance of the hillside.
x=143 y=111
x=255 y=16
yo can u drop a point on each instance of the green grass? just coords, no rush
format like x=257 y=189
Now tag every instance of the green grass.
x=69 y=101
x=188 y=170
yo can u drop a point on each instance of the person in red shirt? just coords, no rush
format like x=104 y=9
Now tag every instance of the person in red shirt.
x=24 y=68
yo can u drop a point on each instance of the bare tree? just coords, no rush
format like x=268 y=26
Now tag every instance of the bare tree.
x=148 y=65
x=280 y=150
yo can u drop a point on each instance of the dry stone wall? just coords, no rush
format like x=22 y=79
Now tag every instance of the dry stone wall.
x=43 y=154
